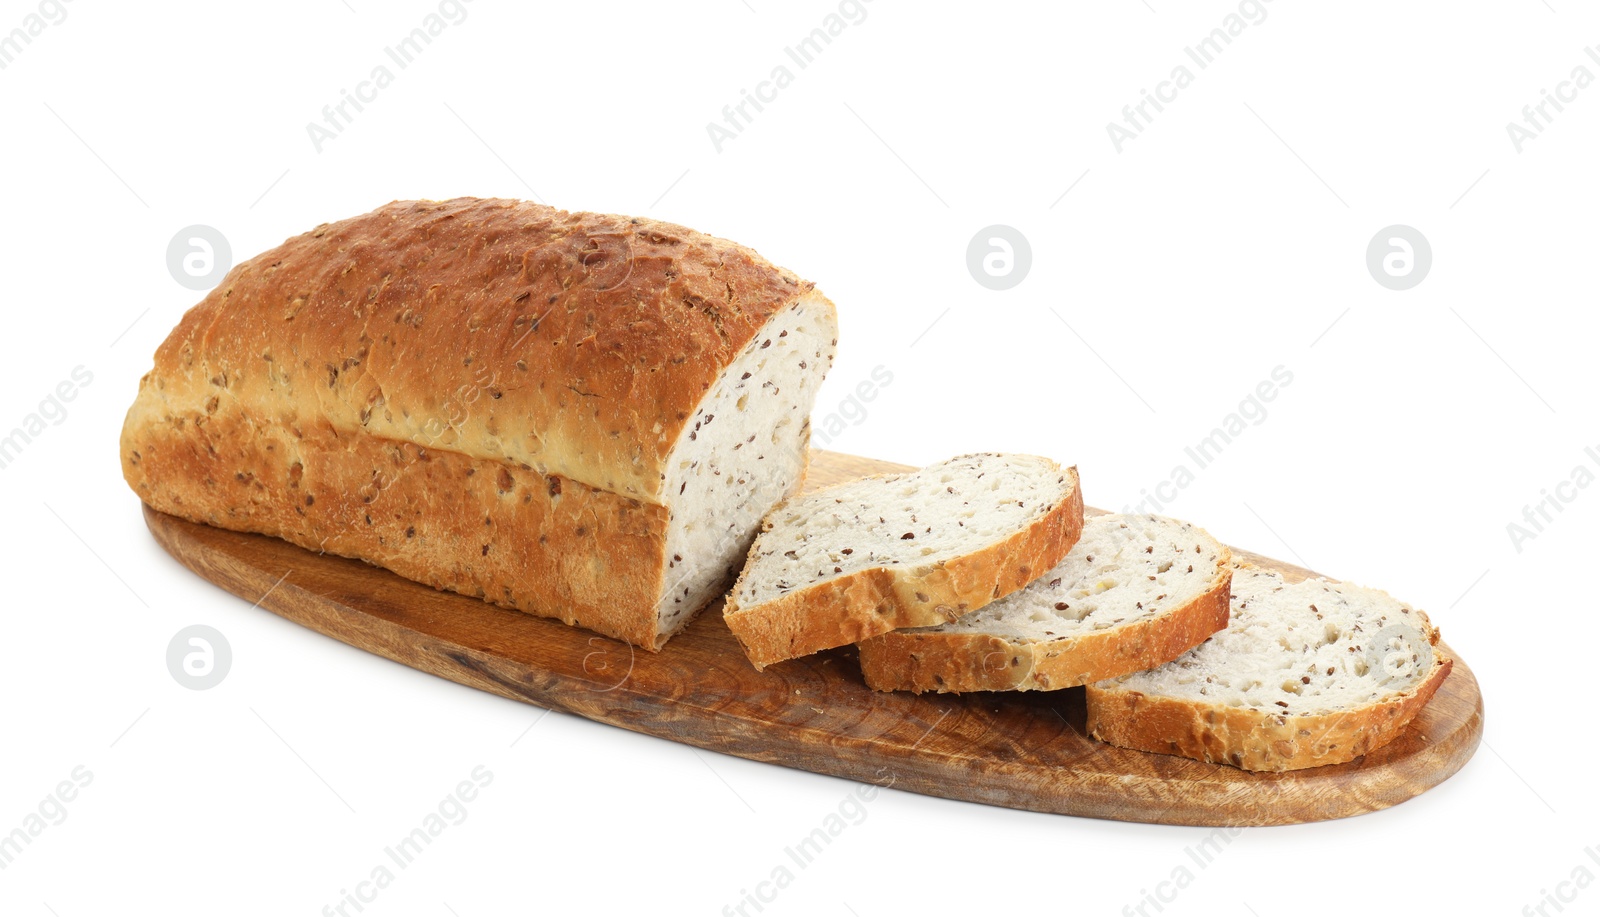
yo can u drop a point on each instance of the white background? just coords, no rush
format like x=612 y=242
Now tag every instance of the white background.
x=1226 y=240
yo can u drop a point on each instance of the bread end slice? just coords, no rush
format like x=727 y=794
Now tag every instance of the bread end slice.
x=1248 y=739
x=1350 y=710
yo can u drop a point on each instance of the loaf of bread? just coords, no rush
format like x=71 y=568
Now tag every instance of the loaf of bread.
x=575 y=415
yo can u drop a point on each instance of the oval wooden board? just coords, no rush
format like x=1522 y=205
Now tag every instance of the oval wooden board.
x=1022 y=750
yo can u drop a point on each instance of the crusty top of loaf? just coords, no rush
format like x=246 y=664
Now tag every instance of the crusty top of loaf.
x=572 y=343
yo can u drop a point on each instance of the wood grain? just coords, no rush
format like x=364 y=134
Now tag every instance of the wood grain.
x=1024 y=751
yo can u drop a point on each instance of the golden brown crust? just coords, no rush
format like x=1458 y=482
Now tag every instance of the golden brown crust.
x=576 y=344
x=851 y=608
x=512 y=537
x=1253 y=739
x=958 y=662
x=468 y=367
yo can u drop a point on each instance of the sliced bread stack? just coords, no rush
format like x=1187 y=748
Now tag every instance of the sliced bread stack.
x=981 y=574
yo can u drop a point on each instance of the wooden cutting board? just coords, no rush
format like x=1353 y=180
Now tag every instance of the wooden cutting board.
x=1022 y=750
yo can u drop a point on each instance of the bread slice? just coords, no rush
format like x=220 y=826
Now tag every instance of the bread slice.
x=1135 y=592
x=1310 y=673
x=842 y=564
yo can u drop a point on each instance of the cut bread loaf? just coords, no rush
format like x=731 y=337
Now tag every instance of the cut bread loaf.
x=839 y=565
x=574 y=415
x=1306 y=674
x=1135 y=592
